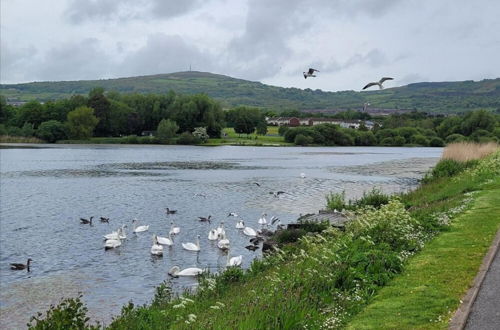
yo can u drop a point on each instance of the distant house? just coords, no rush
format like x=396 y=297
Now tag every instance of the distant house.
x=294 y=121
x=148 y=133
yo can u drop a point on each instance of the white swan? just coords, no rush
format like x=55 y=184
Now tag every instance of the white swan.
x=119 y=234
x=192 y=246
x=220 y=229
x=165 y=240
x=212 y=234
x=302 y=175
x=112 y=243
x=156 y=249
x=223 y=243
x=176 y=271
x=240 y=224
x=138 y=229
x=262 y=219
x=174 y=230
x=234 y=261
x=249 y=231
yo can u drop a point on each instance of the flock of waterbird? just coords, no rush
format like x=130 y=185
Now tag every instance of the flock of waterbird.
x=114 y=239
x=311 y=71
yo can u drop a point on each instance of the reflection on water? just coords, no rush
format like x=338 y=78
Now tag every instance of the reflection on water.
x=44 y=192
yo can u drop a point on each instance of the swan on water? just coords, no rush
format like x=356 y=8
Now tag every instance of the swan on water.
x=302 y=175
x=112 y=243
x=174 y=230
x=234 y=261
x=156 y=249
x=240 y=224
x=212 y=235
x=138 y=229
x=192 y=246
x=17 y=266
x=119 y=234
x=223 y=243
x=165 y=240
x=262 y=219
x=220 y=229
x=176 y=271
x=86 y=221
x=249 y=231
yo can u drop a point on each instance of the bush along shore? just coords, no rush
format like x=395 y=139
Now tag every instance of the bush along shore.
x=332 y=278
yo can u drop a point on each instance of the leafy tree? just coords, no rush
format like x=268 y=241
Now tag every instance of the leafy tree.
x=398 y=141
x=81 y=123
x=480 y=119
x=119 y=118
x=365 y=139
x=201 y=134
x=262 y=127
x=28 y=130
x=7 y=112
x=51 y=131
x=455 y=138
x=31 y=112
x=166 y=130
x=102 y=109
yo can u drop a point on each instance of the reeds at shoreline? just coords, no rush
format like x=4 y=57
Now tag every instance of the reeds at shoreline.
x=465 y=151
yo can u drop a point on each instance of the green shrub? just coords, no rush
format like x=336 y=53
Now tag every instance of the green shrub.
x=282 y=130
x=187 y=138
x=71 y=313
x=374 y=197
x=289 y=235
x=455 y=138
x=387 y=141
x=436 y=142
x=420 y=140
x=313 y=226
x=335 y=201
x=302 y=140
x=398 y=141
x=447 y=168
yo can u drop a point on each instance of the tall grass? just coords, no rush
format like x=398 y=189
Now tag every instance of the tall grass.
x=466 y=151
x=19 y=139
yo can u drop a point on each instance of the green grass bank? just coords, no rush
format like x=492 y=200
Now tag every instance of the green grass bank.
x=415 y=255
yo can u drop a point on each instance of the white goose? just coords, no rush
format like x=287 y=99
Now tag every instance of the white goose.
x=212 y=234
x=174 y=230
x=262 y=219
x=165 y=240
x=176 y=271
x=234 y=261
x=249 y=231
x=156 y=249
x=223 y=243
x=138 y=229
x=192 y=246
x=112 y=243
x=240 y=224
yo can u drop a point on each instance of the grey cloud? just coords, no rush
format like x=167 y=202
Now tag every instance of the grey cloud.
x=14 y=61
x=74 y=60
x=83 y=10
x=172 y=8
x=374 y=58
x=166 y=53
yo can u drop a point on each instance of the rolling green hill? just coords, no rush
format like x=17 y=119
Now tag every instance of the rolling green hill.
x=438 y=97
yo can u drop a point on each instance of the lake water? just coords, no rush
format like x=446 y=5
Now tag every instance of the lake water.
x=44 y=191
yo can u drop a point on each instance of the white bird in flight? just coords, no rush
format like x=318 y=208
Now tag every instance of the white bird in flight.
x=310 y=73
x=379 y=83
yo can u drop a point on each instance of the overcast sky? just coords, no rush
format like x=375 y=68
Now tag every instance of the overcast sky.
x=350 y=41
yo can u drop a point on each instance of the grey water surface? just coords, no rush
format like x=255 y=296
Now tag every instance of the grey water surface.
x=45 y=190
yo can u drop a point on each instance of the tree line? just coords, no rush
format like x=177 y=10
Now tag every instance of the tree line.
x=414 y=128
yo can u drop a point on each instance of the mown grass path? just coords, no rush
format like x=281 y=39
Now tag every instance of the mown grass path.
x=428 y=292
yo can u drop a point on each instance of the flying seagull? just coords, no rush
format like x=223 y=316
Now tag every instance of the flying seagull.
x=310 y=73
x=277 y=193
x=379 y=83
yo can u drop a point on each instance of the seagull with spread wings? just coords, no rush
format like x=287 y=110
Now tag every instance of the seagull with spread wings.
x=310 y=73
x=379 y=83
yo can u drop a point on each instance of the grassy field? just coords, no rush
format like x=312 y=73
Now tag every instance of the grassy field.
x=403 y=265
x=428 y=292
x=272 y=138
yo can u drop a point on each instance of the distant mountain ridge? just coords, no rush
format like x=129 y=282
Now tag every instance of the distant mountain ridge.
x=436 y=97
